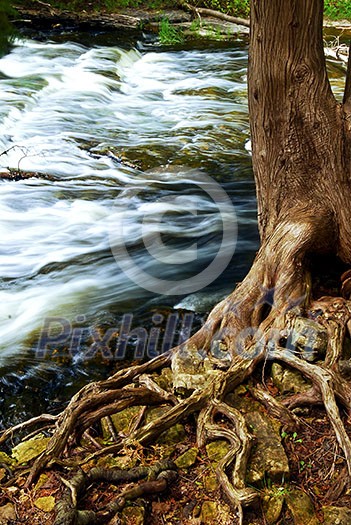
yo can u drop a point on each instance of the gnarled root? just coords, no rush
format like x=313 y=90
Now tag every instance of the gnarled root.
x=159 y=476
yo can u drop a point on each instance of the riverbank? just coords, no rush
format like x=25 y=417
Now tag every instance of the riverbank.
x=173 y=25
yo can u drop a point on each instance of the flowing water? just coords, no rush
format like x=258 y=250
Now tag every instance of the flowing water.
x=130 y=139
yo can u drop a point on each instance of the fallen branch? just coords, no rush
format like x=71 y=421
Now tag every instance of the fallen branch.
x=216 y=14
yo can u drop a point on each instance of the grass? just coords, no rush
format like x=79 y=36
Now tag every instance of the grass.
x=169 y=34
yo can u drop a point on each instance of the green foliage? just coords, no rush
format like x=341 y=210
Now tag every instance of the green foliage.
x=333 y=9
x=231 y=7
x=108 y=5
x=169 y=34
x=6 y=29
x=337 y=9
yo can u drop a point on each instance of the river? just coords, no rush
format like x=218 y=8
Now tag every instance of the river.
x=143 y=160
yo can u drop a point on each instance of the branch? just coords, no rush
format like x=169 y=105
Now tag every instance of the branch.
x=215 y=14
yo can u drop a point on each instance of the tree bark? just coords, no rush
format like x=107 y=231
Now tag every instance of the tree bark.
x=301 y=140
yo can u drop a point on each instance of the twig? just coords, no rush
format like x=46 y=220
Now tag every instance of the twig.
x=33 y=421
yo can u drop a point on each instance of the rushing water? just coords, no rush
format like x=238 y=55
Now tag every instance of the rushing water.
x=117 y=136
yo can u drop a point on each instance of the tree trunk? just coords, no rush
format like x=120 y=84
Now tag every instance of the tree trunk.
x=300 y=134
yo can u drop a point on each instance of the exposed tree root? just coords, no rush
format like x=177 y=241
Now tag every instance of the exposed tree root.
x=67 y=513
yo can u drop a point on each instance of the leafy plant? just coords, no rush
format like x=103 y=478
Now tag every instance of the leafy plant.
x=169 y=34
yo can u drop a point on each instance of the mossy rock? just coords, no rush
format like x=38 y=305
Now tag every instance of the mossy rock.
x=4 y=458
x=288 y=380
x=336 y=515
x=216 y=450
x=46 y=503
x=164 y=380
x=27 y=450
x=187 y=459
x=175 y=434
x=43 y=478
x=8 y=513
x=211 y=482
x=272 y=507
x=120 y=421
x=133 y=515
x=214 y=512
x=123 y=462
x=268 y=459
x=301 y=508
